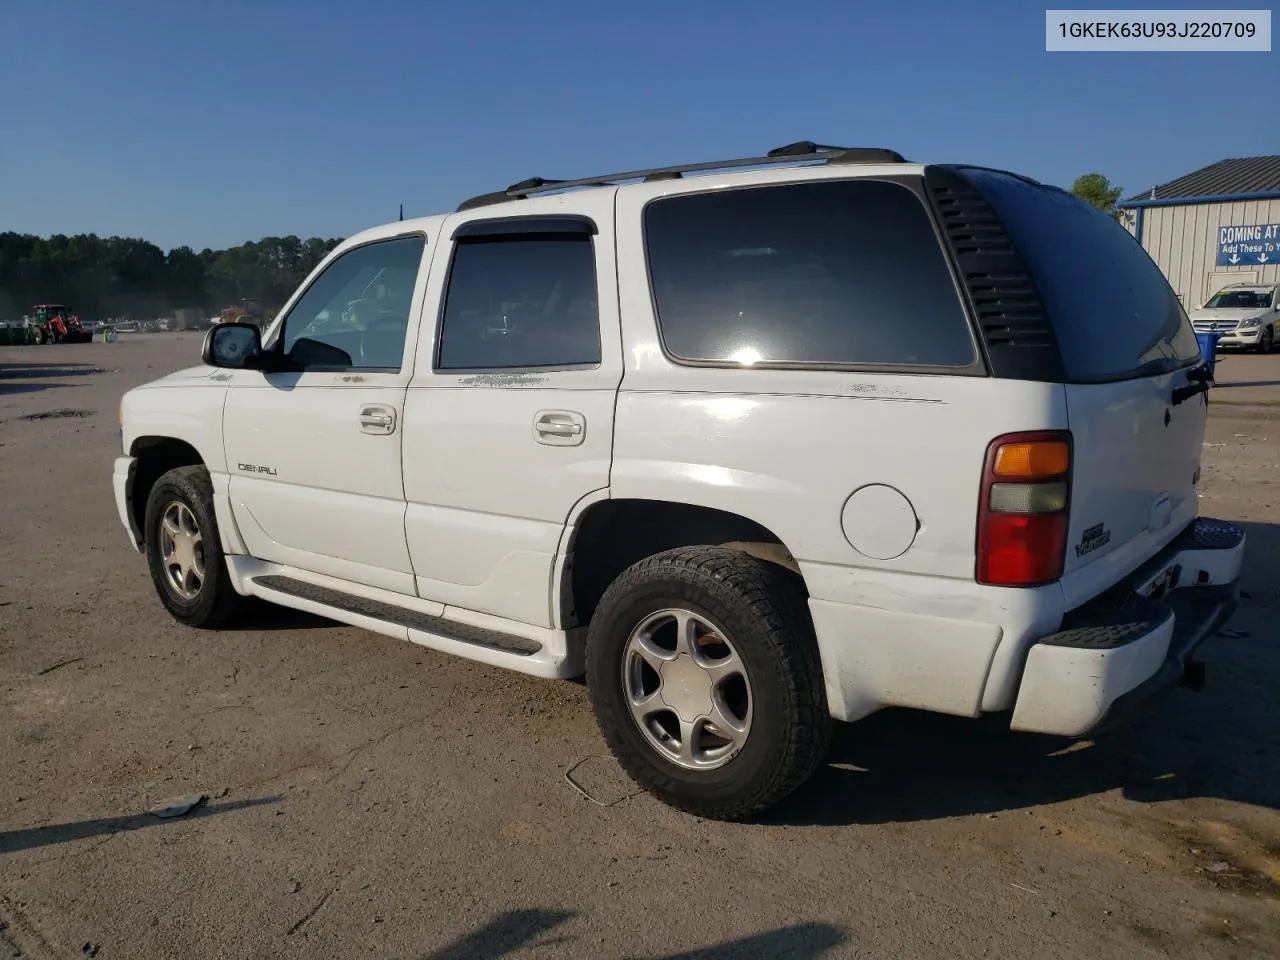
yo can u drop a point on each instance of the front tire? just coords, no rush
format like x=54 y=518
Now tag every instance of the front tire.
x=705 y=679
x=1267 y=341
x=184 y=552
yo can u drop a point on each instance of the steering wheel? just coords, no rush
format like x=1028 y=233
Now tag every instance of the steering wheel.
x=383 y=322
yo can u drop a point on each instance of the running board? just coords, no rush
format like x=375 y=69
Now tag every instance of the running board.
x=399 y=616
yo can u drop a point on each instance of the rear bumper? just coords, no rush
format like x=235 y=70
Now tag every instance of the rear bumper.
x=1116 y=654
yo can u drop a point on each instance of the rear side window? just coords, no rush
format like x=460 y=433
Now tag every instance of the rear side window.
x=824 y=273
x=1113 y=312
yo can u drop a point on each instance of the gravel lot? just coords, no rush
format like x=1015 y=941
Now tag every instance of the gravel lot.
x=372 y=798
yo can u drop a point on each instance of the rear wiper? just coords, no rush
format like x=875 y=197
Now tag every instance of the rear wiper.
x=1199 y=379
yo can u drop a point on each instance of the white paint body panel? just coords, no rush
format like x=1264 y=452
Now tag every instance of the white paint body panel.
x=186 y=406
x=1132 y=474
x=119 y=481
x=335 y=503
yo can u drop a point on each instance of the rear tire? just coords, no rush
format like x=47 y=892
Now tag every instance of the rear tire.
x=184 y=551
x=762 y=726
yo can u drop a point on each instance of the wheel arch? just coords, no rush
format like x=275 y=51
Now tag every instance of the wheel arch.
x=606 y=536
x=154 y=456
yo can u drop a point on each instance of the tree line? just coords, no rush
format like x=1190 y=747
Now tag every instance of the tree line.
x=127 y=278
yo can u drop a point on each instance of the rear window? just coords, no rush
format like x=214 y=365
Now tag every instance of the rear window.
x=825 y=273
x=1113 y=312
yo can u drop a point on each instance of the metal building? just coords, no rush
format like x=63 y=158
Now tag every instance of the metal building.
x=1218 y=225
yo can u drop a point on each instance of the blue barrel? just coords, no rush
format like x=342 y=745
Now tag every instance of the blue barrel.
x=1209 y=348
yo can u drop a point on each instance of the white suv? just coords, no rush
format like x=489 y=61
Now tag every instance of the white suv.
x=1244 y=314
x=810 y=435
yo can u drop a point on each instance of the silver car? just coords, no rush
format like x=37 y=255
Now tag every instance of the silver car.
x=1243 y=315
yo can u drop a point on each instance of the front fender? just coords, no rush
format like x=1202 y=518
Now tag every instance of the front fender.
x=191 y=412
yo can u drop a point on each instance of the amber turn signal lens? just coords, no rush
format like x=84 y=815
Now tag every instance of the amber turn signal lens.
x=1033 y=460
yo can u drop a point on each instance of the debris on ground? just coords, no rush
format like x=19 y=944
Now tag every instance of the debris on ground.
x=177 y=806
x=63 y=414
x=58 y=665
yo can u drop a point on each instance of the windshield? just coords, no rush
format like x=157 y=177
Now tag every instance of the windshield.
x=1239 y=300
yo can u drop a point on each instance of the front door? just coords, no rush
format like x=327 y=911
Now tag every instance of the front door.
x=315 y=453
x=509 y=418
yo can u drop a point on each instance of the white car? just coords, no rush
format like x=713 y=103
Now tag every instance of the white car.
x=754 y=445
x=1243 y=315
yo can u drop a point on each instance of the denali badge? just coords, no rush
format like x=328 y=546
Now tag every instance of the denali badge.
x=250 y=468
x=1093 y=538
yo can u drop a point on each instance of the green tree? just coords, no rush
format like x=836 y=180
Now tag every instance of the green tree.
x=1095 y=189
x=128 y=277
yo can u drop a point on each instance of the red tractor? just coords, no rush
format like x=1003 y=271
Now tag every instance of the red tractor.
x=54 y=323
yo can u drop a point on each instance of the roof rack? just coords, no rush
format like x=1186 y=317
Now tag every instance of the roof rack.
x=799 y=151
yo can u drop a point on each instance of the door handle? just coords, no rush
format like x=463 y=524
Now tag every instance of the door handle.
x=562 y=428
x=378 y=419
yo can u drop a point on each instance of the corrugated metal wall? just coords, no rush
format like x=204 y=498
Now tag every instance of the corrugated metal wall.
x=1184 y=242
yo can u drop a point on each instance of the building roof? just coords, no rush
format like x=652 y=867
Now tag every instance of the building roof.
x=1226 y=178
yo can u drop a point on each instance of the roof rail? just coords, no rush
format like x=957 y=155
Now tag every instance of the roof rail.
x=797 y=152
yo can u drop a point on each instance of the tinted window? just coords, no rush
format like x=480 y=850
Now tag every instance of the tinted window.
x=1111 y=308
x=834 y=272
x=356 y=315
x=527 y=301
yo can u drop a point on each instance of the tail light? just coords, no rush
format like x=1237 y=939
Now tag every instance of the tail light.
x=1023 y=511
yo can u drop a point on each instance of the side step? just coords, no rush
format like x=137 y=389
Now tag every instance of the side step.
x=400 y=616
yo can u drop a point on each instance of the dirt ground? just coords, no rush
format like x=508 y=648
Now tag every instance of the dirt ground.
x=371 y=798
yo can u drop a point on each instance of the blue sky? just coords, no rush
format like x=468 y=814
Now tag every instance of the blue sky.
x=213 y=123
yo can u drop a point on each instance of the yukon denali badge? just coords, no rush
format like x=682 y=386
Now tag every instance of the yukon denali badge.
x=250 y=468
x=1093 y=538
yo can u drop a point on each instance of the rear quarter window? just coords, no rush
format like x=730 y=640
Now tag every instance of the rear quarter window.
x=1113 y=312
x=824 y=273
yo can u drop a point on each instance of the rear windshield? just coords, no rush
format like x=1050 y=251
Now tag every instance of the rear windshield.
x=1113 y=312
x=825 y=273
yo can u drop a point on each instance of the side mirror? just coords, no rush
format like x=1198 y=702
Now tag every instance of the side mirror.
x=237 y=346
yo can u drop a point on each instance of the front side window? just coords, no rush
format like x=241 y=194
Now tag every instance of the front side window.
x=356 y=314
x=828 y=272
x=521 y=301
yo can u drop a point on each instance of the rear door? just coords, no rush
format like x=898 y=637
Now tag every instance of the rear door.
x=1127 y=350
x=509 y=417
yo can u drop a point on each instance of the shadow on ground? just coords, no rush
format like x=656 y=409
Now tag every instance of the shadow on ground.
x=261 y=616
x=510 y=932
x=11 y=841
x=46 y=371
x=18 y=378
x=1247 y=383
x=9 y=388
x=902 y=765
